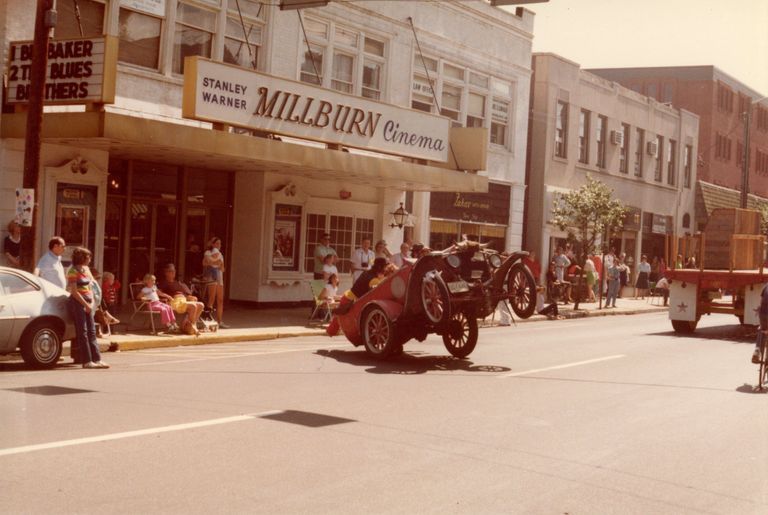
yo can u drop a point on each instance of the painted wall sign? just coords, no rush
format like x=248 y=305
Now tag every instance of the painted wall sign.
x=491 y=207
x=156 y=7
x=223 y=93
x=80 y=71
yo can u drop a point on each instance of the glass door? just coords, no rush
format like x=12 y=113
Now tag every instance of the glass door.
x=153 y=238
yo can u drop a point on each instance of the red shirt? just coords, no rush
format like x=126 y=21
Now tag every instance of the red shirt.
x=534 y=267
x=598 y=265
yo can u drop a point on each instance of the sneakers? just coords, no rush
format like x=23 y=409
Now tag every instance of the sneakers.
x=97 y=364
x=756 y=356
x=223 y=326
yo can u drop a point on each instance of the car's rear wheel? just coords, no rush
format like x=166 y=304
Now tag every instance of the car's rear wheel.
x=460 y=336
x=521 y=288
x=435 y=298
x=41 y=345
x=379 y=334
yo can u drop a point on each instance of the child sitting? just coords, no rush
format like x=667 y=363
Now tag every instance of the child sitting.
x=153 y=295
x=110 y=288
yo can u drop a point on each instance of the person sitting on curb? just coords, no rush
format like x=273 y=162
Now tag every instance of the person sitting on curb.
x=550 y=311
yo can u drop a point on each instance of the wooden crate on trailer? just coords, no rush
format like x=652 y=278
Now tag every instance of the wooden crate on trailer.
x=732 y=240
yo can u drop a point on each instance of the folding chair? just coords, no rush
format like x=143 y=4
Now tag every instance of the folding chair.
x=321 y=305
x=141 y=306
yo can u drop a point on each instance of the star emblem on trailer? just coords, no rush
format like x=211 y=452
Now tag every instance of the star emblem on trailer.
x=682 y=307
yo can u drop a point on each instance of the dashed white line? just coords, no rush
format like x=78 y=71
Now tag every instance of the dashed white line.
x=566 y=365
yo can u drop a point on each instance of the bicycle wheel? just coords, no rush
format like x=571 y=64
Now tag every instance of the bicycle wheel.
x=761 y=379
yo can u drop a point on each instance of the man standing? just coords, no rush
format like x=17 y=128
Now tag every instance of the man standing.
x=561 y=264
x=399 y=259
x=533 y=266
x=323 y=249
x=49 y=267
x=362 y=259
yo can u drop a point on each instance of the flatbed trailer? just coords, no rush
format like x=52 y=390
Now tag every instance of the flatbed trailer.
x=697 y=292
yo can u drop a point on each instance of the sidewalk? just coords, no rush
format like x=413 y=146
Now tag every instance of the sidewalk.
x=249 y=324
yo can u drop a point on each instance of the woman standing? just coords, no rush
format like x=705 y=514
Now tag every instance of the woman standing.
x=213 y=270
x=643 y=271
x=82 y=306
x=12 y=245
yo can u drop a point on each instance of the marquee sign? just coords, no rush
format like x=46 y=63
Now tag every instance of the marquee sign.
x=80 y=71
x=228 y=94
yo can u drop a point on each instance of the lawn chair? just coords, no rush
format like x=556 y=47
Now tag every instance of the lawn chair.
x=322 y=306
x=141 y=306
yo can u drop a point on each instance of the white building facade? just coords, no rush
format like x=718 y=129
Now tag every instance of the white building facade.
x=583 y=125
x=141 y=181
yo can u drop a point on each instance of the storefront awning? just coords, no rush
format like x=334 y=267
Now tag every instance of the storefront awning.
x=158 y=141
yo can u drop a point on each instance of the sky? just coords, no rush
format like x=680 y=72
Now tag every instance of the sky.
x=731 y=35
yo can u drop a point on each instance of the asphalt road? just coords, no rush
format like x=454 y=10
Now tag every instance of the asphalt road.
x=590 y=416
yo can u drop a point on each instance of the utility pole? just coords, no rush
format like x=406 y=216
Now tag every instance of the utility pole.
x=45 y=19
x=745 y=160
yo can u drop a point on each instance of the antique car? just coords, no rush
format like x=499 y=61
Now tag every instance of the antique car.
x=33 y=317
x=444 y=293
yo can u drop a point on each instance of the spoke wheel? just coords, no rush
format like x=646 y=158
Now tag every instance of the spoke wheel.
x=435 y=298
x=379 y=334
x=460 y=337
x=761 y=379
x=521 y=288
x=41 y=345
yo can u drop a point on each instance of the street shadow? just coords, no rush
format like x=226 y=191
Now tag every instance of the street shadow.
x=751 y=388
x=408 y=363
x=733 y=333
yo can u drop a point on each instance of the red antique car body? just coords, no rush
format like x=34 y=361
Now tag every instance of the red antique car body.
x=444 y=293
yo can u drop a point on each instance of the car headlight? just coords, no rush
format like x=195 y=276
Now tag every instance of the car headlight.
x=494 y=260
x=453 y=261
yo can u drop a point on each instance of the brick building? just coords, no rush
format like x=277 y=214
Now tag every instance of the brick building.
x=720 y=101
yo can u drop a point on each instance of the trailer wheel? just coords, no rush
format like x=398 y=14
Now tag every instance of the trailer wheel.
x=684 y=326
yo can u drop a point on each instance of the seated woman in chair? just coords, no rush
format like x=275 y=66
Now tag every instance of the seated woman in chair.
x=330 y=292
x=170 y=285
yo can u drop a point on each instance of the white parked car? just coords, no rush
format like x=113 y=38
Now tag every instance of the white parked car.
x=34 y=317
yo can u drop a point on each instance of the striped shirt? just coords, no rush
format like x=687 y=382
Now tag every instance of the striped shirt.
x=82 y=280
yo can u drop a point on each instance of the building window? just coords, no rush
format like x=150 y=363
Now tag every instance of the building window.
x=624 y=149
x=499 y=122
x=672 y=163
x=357 y=61
x=659 y=170
x=762 y=118
x=724 y=97
x=139 y=35
x=668 y=91
x=91 y=19
x=602 y=131
x=722 y=147
x=195 y=28
x=242 y=41
x=451 y=102
x=652 y=90
x=761 y=162
x=347 y=233
x=688 y=166
x=561 y=129
x=686 y=221
x=639 y=149
x=584 y=121
x=475 y=110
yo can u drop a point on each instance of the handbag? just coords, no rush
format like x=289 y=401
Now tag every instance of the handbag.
x=179 y=304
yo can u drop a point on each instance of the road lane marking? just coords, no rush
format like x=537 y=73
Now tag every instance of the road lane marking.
x=131 y=434
x=566 y=365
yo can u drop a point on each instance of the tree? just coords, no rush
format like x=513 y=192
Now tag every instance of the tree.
x=587 y=214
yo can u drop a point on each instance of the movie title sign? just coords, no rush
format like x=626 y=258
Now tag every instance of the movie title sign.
x=228 y=94
x=80 y=71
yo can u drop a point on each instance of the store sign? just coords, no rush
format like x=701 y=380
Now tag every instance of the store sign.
x=223 y=93
x=156 y=7
x=659 y=224
x=80 y=71
x=491 y=207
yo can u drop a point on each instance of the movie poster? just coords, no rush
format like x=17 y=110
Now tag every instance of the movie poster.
x=285 y=246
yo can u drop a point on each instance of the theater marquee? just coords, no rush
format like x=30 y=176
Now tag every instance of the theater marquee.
x=228 y=94
x=80 y=71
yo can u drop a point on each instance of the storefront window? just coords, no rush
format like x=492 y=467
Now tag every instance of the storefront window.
x=139 y=39
x=208 y=187
x=91 y=19
x=316 y=226
x=347 y=233
x=154 y=180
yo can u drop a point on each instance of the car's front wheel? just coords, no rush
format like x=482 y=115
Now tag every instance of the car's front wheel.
x=41 y=345
x=379 y=334
x=460 y=337
x=521 y=288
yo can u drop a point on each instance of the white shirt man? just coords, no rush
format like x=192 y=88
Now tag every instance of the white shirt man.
x=49 y=267
x=561 y=264
x=362 y=259
x=399 y=259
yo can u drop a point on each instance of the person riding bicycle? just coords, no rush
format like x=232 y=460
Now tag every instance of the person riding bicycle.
x=761 y=335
